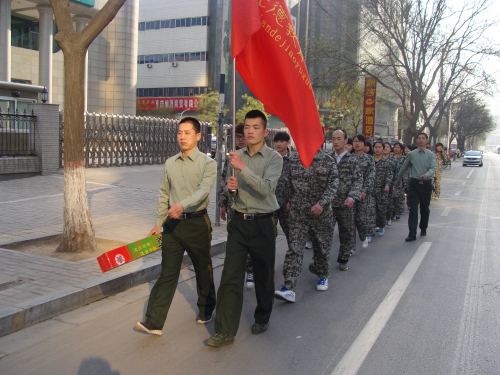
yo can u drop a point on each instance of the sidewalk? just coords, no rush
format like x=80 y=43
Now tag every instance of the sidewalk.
x=122 y=202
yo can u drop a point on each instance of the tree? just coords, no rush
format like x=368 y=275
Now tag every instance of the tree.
x=415 y=47
x=208 y=108
x=78 y=232
x=251 y=103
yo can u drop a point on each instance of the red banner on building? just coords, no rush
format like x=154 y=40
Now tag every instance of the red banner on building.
x=369 y=107
x=175 y=104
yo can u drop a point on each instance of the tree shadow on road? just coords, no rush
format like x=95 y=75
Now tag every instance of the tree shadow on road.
x=96 y=366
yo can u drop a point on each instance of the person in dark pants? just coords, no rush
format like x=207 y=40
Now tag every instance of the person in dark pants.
x=422 y=165
x=252 y=230
x=187 y=180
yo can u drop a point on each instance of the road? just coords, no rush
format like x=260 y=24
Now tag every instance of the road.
x=427 y=307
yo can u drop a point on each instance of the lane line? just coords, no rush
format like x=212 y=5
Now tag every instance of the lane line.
x=357 y=353
x=457 y=193
x=470 y=174
x=446 y=211
x=55 y=195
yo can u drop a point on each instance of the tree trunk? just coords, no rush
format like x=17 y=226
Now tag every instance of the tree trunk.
x=78 y=232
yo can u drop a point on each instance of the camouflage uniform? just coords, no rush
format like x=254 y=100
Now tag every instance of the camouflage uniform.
x=282 y=197
x=399 y=198
x=307 y=187
x=436 y=179
x=350 y=186
x=383 y=178
x=390 y=196
x=365 y=208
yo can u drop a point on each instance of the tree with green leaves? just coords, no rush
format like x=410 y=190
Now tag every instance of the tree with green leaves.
x=250 y=104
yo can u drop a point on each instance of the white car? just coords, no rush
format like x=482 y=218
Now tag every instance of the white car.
x=472 y=158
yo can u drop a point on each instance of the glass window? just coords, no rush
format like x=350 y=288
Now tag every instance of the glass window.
x=185 y=91
x=179 y=57
x=196 y=90
x=188 y=22
x=183 y=22
x=165 y=58
x=171 y=91
x=191 y=91
x=193 y=21
x=197 y=56
x=203 y=90
x=172 y=24
x=157 y=25
x=142 y=26
x=186 y=57
x=198 y=21
x=203 y=21
x=177 y=23
x=155 y=92
x=138 y=93
x=164 y=24
x=138 y=59
x=160 y=92
x=171 y=57
x=157 y=59
x=203 y=54
x=193 y=56
x=148 y=25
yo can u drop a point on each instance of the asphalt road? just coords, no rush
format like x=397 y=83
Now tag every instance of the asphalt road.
x=427 y=307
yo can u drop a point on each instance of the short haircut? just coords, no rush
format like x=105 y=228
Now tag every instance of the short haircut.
x=343 y=131
x=439 y=144
x=361 y=138
x=255 y=113
x=193 y=121
x=426 y=136
x=281 y=136
x=240 y=128
x=349 y=141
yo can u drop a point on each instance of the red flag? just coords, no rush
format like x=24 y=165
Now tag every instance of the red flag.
x=270 y=61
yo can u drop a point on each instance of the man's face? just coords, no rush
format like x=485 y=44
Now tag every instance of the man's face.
x=281 y=145
x=358 y=145
x=187 y=136
x=421 y=140
x=255 y=131
x=241 y=141
x=338 y=140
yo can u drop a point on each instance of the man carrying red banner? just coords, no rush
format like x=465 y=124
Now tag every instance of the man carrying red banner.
x=187 y=180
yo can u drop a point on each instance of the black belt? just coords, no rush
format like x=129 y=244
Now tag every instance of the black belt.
x=252 y=216
x=192 y=215
x=421 y=182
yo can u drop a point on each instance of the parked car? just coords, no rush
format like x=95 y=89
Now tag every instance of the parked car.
x=455 y=151
x=473 y=158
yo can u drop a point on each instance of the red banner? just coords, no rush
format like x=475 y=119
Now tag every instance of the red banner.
x=270 y=61
x=175 y=104
x=369 y=107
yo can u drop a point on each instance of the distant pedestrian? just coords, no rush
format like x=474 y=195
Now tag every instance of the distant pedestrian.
x=381 y=186
x=441 y=159
x=368 y=149
x=422 y=165
x=348 y=146
x=399 y=194
x=282 y=142
x=388 y=154
x=186 y=182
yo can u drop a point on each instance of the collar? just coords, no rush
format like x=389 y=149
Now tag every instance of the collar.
x=263 y=150
x=341 y=155
x=192 y=156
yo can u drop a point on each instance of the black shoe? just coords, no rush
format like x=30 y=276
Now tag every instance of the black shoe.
x=259 y=328
x=148 y=327
x=204 y=318
x=411 y=238
x=423 y=233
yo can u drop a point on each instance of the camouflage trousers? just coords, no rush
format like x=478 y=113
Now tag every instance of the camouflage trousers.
x=305 y=226
x=380 y=199
x=364 y=213
x=344 y=217
x=390 y=205
x=399 y=202
x=436 y=182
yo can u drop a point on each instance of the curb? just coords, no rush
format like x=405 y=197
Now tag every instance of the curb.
x=36 y=310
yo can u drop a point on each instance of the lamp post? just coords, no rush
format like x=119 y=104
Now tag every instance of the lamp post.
x=180 y=116
x=340 y=116
x=44 y=95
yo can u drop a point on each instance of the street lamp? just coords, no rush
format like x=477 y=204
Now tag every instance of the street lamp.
x=180 y=116
x=44 y=95
x=340 y=116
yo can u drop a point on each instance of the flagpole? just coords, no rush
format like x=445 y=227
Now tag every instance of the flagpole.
x=234 y=107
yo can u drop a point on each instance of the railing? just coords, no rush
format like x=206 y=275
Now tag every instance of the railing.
x=115 y=140
x=17 y=134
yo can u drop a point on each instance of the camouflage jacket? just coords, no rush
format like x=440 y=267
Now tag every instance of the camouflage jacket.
x=383 y=175
x=281 y=187
x=317 y=184
x=395 y=169
x=367 y=165
x=350 y=179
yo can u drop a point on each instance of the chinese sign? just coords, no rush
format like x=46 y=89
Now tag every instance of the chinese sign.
x=175 y=104
x=369 y=107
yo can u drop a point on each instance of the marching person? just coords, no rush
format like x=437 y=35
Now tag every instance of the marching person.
x=422 y=164
x=399 y=194
x=365 y=207
x=349 y=192
x=251 y=230
x=311 y=192
x=394 y=165
x=441 y=158
x=282 y=141
x=381 y=186
x=186 y=182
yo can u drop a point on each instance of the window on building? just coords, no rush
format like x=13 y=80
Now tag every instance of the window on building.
x=171 y=91
x=179 y=57
x=186 y=56
x=183 y=22
x=142 y=26
x=177 y=23
x=188 y=22
x=193 y=56
x=156 y=59
x=148 y=25
x=157 y=25
x=203 y=56
x=155 y=92
x=198 y=21
x=165 y=58
x=203 y=90
x=198 y=56
x=196 y=90
x=164 y=24
x=204 y=21
x=160 y=92
x=171 y=57
x=172 y=24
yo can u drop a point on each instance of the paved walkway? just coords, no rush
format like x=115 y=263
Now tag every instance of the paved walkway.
x=122 y=204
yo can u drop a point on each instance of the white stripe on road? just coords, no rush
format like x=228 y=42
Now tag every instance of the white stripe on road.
x=55 y=195
x=446 y=211
x=356 y=354
x=470 y=174
x=457 y=193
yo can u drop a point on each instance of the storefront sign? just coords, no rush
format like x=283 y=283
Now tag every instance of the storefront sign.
x=369 y=107
x=174 y=104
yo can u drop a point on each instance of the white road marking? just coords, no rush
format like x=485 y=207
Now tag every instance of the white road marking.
x=470 y=174
x=356 y=354
x=457 y=193
x=463 y=183
x=446 y=211
x=54 y=195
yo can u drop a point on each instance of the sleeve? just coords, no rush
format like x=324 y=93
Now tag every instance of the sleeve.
x=162 y=207
x=389 y=174
x=432 y=169
x=265 y=185
x=331 y=187
x=405 y=167
x=369 y=179
x=357 y=186
x=204 y=187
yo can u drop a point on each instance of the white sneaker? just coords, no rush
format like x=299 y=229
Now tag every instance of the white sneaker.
x=369 y=239
x=250 y=283
x=309 y=245
x=389 y=222
x=322 y=284
x=285 y=294
x=365 y=243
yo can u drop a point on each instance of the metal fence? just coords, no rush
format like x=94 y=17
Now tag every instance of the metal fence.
x=114 y=140
x=17 y=134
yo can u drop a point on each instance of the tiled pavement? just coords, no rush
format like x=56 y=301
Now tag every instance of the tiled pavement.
x=122 y=203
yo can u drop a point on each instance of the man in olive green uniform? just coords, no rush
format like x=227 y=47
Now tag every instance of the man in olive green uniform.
x=252 y=230
x=187 y=180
